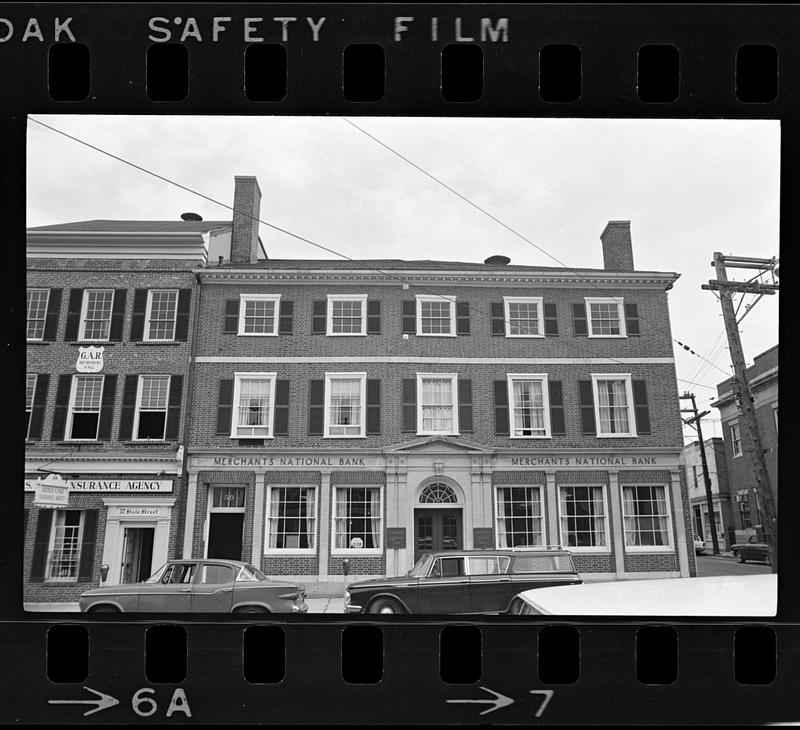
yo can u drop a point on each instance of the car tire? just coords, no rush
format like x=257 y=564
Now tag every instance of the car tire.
x=104 y=609
x=386 y=606
x=739 y=557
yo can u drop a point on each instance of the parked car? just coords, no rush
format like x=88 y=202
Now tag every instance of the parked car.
x=753 y=549
x=199 y=586
x=463 y=581
x=699 y=545
x=723 y=595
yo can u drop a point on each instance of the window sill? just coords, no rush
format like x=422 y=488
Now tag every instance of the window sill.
x=85 y=343
x=355 y=552
x=649 y=549
x=525 y=337
x=37 y=342
x=290 y=552
x=437 y=433
x=256 y=334
x=160 y=342
x=607 y=337
x=342 y=436
x=59 y=581
x=435 y=334
x=531 y=438
x=251 y=438
x=589 y=550
x=345 y=334
x=617 y=435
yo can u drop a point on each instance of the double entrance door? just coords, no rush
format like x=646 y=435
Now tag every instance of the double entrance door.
x=137 y=554
x=437 y=529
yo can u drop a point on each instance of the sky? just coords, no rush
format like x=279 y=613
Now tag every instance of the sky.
x=689 y=188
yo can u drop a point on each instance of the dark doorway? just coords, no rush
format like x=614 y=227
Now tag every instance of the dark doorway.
x=137 y=554
x=225 y=535
x=436 y=529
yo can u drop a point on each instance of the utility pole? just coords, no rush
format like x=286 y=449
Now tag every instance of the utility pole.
x=695 y=423
x=740 y=387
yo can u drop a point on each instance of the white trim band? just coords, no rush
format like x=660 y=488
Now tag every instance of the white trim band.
x=446 y=360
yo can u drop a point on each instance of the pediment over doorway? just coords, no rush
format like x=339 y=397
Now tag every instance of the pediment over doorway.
x=438 y=445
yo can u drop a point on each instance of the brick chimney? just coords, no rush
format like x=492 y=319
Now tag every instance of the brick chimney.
x=617 y=247
x=247 y=205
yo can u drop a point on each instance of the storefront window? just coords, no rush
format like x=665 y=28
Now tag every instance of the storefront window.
x=519 y=516
x=645 y=516
x=292 y=518
x=583 y=517
x=358 y=518
x=65 y=545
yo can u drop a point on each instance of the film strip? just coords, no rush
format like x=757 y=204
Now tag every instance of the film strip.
x=633 y=62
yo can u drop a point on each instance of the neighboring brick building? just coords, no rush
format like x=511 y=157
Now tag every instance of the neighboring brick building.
x=376 y=409
x=763 y=378
x=691 y=461
x=113 y=432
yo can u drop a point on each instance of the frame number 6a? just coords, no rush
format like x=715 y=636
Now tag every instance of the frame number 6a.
x=144 y=704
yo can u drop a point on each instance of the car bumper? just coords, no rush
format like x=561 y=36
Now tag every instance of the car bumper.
x=353 y=608
x=300 y=607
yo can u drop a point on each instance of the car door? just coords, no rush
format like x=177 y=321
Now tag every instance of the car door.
x=213 y=590
x=446 y=588
x=490 y=586
x=173 y=591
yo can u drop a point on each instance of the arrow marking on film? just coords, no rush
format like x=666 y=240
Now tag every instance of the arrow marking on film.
x=548 y=694
x=497 y=703
x=103 y=703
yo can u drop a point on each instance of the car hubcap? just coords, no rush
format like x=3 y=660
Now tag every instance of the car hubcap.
x=386 y=609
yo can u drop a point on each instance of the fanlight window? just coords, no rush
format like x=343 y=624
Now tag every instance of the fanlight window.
x=437 y=494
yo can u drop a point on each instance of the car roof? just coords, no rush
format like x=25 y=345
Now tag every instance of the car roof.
x=724 y=595
x=489 y=552
x=234 y=563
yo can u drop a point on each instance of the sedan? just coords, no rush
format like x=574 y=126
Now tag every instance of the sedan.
x=753 y=549
x=199 y=586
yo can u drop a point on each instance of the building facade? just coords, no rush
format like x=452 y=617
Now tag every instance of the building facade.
x=721 y=499
x=110 y=306
x=747 y=502
x=373 y=410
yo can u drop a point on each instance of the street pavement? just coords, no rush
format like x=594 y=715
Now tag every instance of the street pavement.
x=333 y=604
x=708 y=565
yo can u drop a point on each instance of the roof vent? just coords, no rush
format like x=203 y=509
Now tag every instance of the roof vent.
x=191 y=217
x=498 y=260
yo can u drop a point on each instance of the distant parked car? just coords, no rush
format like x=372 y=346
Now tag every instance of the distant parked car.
x=723 y=595
x=699 y=545
x=463 y=581
x=753 y=549
x=199 y=586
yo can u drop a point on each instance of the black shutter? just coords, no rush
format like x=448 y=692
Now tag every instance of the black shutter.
x=501 y=425
x=462 y=318
x=556 y=408
x=586 y=400
x=40 y=545
x=51 y=319
x=464 y=405
x=316 y=410
x=182 y=318
x=281 y=408
x=225 y=407
x=409 y=404
x=174 y=407
x=139 y=313
x=373 y=317
x=550 y=319
x=118 y=315
x=87 y=548
x=409 y=318
x=579 y=324
x=230 y=324
x=319 y=315
x=73 y=314
x=373 y=407
x=37 y=410
x=285 y=325
x=498 y=319
x=640 y=407
x=107 y=407
x=632 y=320
x=60 y=410
x=128 y=407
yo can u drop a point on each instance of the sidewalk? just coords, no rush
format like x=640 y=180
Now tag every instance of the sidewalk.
x=326 y=604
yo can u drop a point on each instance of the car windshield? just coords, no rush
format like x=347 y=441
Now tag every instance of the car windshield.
x=157 y=575
x=421 y=567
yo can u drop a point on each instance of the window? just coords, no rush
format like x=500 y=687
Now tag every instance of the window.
x=292 y=519
x=497 y=565
x=216 y=574
x=775 y=416
x=347 y=315
x=65 y=545
x=438 y=494
x=524 y=316
x=743 y=502
x=605 y=317
x=736 y=440
x=179 y=573
x=436 y=315
x=645 y=516
x=530 y=411
x=258 y=314
x=447 y=568
x=30 y=390
x=84 y=409
x=37 y=311
x=437 y=400
x=613 y=404
x=96 y=315
x=253 y=398
x=583 y=517
x=151 y=407
x=358 y=518
x=345 y=395
x=542 y=564
x=162 y=308
x=519 y=517
x=227 y=498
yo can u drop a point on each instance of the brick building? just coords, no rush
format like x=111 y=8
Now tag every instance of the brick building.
x=109 y=337
x=691 y=461
x=376 y=409
x=763 y=378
